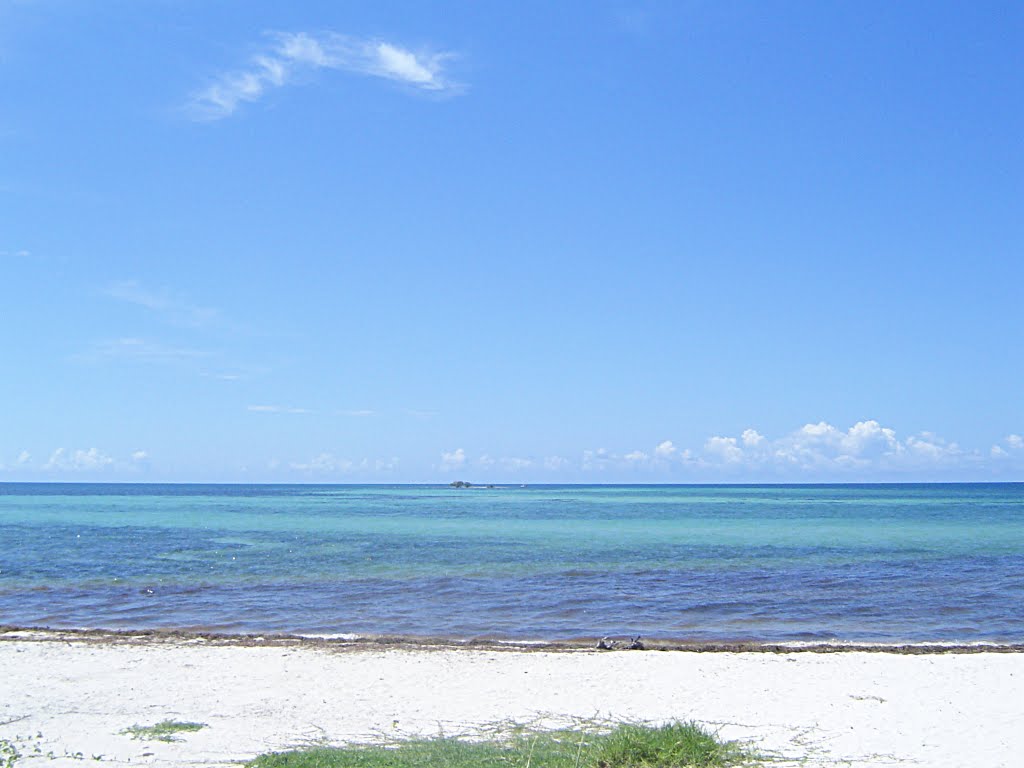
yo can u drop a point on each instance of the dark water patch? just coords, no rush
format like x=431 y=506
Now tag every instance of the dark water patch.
x=691 y=607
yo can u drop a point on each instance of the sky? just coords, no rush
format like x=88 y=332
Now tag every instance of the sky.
x=531 y=242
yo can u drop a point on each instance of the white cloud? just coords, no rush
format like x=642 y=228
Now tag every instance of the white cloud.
x=174 y=309
x=752 y=438
x=665 y=450
x=294 y=53
x=818 y=448
x=866 y=437
x=820 y=430
x=453 y=459
x=931 y=447
x=1015 y=441
x=485 y=461
x=822 y=445
x=996 y=452
x=635 y=457
x=356 y=412
x=78 y=461
x=723 y=449
x=81 y=460
x=22 y=254
x=275 y=409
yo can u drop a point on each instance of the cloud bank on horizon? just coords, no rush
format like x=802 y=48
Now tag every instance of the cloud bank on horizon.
x=817 y=452
x=292 y=54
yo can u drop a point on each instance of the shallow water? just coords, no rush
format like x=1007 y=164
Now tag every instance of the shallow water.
x=884 y=563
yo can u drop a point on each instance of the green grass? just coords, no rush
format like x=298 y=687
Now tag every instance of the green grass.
x=163 y=731
x=678 y=745
x=8 y=753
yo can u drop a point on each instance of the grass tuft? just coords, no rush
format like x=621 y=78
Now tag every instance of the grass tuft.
x=162 y=731
x=677 y=745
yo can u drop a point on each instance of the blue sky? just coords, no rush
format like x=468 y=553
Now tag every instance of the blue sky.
x=531 y=242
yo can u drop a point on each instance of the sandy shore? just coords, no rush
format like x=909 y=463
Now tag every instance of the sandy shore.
x=65 y=699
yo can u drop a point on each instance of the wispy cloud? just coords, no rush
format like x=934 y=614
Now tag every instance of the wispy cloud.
x=276 y=409
x=173 y=308
x=516 y=463
x=290 y=54
x=599 y=460
x=21 y=254
x=23 y=461
x=327 y=464
x=487 y=462
x=222 y=376
x=141 y=350
x=556 y=463
x=272 y=408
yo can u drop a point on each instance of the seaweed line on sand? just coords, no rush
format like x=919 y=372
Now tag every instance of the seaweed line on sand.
x=382 y=642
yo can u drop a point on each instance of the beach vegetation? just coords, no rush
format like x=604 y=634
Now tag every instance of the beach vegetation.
x=9 y=753
x=675 y=745
x=166 y=730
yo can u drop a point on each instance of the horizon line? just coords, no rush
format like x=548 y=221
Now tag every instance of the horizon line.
x=499 y=486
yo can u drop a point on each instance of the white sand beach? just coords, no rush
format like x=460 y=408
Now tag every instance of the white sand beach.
x=65 y=700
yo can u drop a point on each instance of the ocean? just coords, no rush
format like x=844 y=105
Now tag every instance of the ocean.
x=770 y=563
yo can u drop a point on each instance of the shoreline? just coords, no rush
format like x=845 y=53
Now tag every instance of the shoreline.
x=354 y=642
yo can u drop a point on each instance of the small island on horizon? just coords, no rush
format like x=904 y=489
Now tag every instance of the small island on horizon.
x=464 y=484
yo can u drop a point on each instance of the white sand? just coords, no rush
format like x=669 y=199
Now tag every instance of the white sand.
x=852 y=708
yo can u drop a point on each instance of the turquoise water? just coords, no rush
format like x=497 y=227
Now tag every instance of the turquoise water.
x=882 y=563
